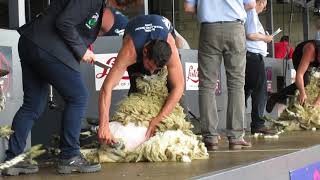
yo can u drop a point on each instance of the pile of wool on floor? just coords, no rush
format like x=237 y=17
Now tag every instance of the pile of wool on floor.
x=302 y=117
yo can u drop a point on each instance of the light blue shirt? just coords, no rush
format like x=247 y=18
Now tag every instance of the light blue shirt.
x=220 y=10
x=253 y=26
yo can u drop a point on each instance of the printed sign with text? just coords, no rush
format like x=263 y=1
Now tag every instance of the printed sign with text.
x=101 y=73
x=192 y=78
x=6 y=64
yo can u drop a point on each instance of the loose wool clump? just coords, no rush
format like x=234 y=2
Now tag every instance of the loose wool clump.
x=5 y=131
x=2 y=99
x=173 y=141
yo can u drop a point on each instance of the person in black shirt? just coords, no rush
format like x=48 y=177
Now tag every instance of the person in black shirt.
x=305 y=55
x=148 y=45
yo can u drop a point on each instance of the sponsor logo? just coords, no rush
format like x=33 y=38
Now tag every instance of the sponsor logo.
x=105 y=72
x=101 y=73
x=92 y=21
x=120 y=32
x=193 y=74
x=5 y=64
x=148 y=28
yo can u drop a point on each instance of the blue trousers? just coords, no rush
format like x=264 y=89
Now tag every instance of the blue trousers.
x=39 y=69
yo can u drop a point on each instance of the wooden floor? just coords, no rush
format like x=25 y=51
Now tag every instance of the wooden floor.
x=222 y=160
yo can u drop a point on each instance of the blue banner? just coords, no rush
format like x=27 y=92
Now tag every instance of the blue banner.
x=310 y=172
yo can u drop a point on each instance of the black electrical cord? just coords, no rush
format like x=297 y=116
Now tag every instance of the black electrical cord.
x=283 y=33
x=286 y=58
x=51 y=103
x=283 y=27
x=173 y=15
x=28 y=11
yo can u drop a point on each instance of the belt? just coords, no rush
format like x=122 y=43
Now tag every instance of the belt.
x=253 y=54
x=224 y=22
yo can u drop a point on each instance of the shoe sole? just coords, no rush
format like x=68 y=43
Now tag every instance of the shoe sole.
x=212 y=148
x=17 y=171
x=238 y=147
x=71 y=169
x=264 y=134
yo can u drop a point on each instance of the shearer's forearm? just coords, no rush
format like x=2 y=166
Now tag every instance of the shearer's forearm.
x=300 y=84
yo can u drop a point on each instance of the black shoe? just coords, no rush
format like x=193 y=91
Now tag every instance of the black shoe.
x=77 y=164
x=271 y=102
x=264 y=130
x=24 y=167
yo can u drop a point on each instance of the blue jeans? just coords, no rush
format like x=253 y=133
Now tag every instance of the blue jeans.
x=38 y=70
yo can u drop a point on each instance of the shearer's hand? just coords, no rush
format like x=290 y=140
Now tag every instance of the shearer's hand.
x=105 y=136
x=152 y=128
x=302 y=98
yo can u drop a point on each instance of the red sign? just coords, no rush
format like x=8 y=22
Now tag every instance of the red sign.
x=4 y=64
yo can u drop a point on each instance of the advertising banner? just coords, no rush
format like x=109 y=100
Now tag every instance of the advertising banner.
x=192 y=78
x=101 y=73
x=6 y=64
x=310 y=172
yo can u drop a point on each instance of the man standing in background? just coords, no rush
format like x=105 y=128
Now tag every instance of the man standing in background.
x=256 y=83
x=222 y=37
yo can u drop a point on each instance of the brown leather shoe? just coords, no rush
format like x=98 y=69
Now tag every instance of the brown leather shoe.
x=211 y=146
x=264 y=130
x=239 y=144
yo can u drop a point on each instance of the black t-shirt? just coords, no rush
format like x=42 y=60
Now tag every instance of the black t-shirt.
x=143 y=29
x=298 y=52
